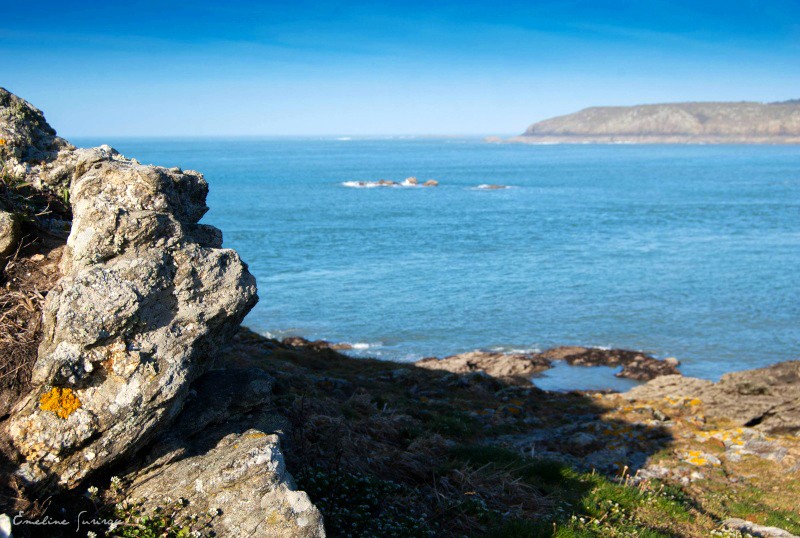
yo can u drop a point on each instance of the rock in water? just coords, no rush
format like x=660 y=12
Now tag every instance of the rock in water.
x=515 y=368
x=635 y=365
x=146 y=297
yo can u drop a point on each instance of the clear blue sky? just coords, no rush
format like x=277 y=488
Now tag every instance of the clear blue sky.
x=227 y=67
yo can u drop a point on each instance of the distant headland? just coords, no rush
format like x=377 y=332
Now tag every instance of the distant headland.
x=672 y=123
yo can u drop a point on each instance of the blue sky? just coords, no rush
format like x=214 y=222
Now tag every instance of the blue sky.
x=205 y=68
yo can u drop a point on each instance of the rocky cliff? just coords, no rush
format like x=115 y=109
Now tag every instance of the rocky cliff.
x=712 y=123
x=146 y=296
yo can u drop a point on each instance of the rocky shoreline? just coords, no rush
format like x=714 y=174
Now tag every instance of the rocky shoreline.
x=131 y=393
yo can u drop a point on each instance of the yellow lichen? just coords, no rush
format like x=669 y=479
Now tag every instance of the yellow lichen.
x=273 y=518
x=63 y=402
x=2 y=142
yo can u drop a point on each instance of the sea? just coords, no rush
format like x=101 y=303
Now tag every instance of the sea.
x=686 y=251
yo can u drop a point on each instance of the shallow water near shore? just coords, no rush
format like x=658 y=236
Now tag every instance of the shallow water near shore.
x=684 y=251
x=562 y=378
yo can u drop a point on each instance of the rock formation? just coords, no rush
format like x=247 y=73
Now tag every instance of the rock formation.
x=681 y=123
x=764 y=399
x=519 y=368
x=221 y=457
x=146 y=297
x=635 y=365
x=515 y=368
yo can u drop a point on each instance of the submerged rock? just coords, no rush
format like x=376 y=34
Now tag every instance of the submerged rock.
x=300 y=342
x=635 y=365
x=518 y=368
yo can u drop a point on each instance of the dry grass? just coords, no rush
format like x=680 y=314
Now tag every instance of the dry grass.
x=27 y=278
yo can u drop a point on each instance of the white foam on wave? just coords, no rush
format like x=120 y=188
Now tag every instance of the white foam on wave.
x=361 y=184
x=377 y=184
x=490 y=187
x=364 y=345
x=515 y=350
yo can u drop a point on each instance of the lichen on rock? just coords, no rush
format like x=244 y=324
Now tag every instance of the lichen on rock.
x=61 y=401
x=146 y=296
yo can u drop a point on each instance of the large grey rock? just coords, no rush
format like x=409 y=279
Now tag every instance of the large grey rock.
x=244 y=479
x=223 y=455
x=131 y=330
x=25 y=135
x=146 y=297
x=29 y=147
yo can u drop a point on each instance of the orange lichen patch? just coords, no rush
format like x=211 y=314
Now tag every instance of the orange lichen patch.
x=734 y=437
x=2 y=142
x=63 y=402
x=512 y=410
x=700 y=459
x=683 y=401
x=255 y=435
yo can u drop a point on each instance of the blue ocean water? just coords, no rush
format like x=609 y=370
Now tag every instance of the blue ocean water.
x=684 y=251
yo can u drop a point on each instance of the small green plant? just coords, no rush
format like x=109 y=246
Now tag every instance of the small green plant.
x=126 y=518
x=360 y=506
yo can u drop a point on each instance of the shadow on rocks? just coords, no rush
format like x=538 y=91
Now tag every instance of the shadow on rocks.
x=448 y=454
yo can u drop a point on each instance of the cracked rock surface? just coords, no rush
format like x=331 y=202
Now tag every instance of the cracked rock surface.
x=765 y=398
x=146 y=297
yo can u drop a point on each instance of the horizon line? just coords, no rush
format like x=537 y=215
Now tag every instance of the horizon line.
x=309 y=135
